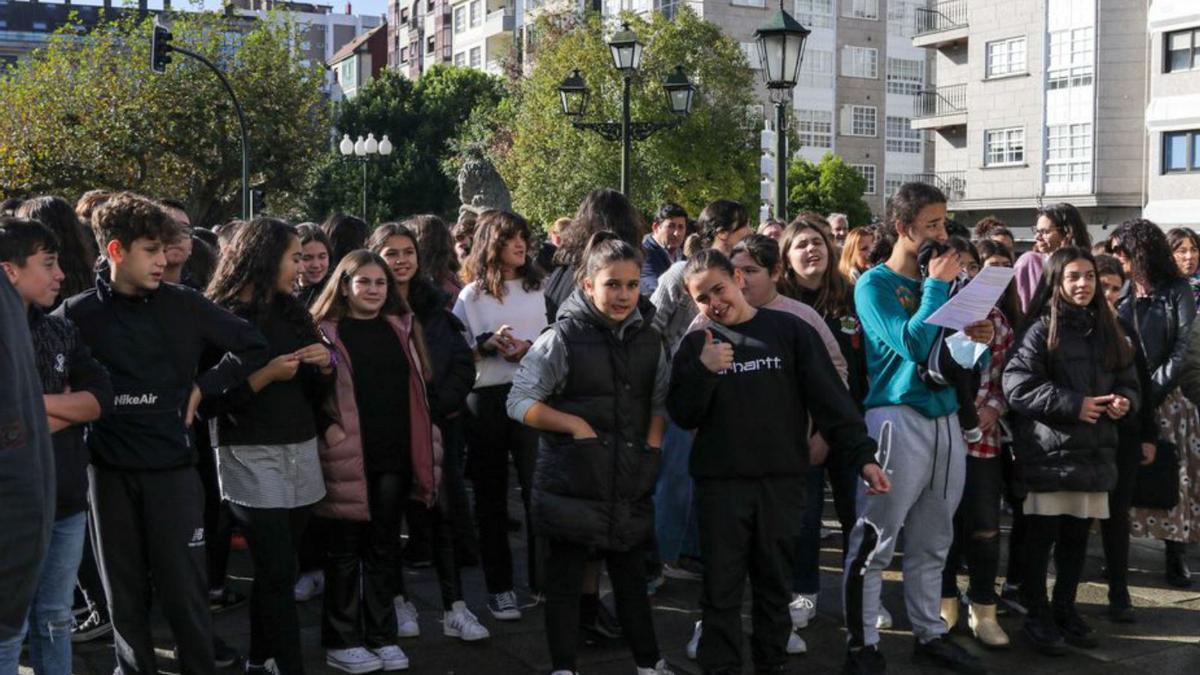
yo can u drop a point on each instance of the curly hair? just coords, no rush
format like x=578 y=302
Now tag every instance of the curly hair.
x=88 y=203
x=75 y=257
x=1149 y=254
x=835 y=299
x=252 y=261
x=126 y=217
x=602 y=209
x=987 y=225
x=493 y=230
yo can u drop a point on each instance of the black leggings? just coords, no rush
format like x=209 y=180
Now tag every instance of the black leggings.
x=978 y=512
x=564 y=576
x=273 y=536
x=1067 y=535
x=1114 y=530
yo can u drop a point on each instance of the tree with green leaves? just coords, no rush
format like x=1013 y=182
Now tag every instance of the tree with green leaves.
x=550 y=166
x=829 y=186
x=86 y=112
x=420 y=118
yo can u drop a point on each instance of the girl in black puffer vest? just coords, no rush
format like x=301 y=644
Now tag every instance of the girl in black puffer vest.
x=1070 y=380
x=595 y=384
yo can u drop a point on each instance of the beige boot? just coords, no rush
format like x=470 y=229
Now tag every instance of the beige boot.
x=982 y=620
x=950 y=612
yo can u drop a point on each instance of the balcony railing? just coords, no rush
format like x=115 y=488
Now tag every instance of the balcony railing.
x=942 y=101
x=952 y=183
x=942 y=16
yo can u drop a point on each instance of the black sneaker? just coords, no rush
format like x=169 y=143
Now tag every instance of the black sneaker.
x=1011 y=602
x=864 y=661
x=1075 y=630
x=224 y=656
x=604 y=625
x=1044 y=636
x=96 y=626
x=942 y=652
x=223 y=600
x=267 y=667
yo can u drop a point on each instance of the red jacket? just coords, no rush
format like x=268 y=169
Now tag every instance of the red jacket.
x=342 y=464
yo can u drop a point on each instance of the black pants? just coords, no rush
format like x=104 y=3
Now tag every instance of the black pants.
x=1067 y=535
x=218 y=520
x=362 y=565
x=1015 y=571
x=1115 y=529
x=89 y=589
x=273 y=536
x=747 y=526
x=564 y=576
x=150 y=524
x=979 y=511
x=440 y=527
x=491 y=438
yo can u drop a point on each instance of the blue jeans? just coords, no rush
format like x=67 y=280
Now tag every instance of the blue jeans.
x=675 y=523
x=806 y=577
x=50 y=615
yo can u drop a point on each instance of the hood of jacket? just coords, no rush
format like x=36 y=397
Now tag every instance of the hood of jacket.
x=577 y=306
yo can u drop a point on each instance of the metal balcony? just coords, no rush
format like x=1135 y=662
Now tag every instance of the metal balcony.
x=942 y=25
x=952 y=183
x=941 y=107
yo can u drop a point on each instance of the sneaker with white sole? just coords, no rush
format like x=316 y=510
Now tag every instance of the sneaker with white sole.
x=796 y=644
x=660 y=668
x=353 y=660
x=693 y=645
x=309 y=586
x=564 y=672
x=503 y=606
x=884 y=620
x=393 y=657
x=803 y=609
x=461 y=623
x=406 y=618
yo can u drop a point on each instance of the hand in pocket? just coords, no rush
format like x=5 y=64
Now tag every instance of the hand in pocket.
x=334 y=435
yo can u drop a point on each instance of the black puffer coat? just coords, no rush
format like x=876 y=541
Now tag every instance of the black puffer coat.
x=598 y=492
x=453 y=364
x=1056 y=451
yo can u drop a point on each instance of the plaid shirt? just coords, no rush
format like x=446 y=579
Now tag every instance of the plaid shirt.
x=990 y=393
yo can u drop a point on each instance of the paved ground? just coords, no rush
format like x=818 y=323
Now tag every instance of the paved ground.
x=1165 y=641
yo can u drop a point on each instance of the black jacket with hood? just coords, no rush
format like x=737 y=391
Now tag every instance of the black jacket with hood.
x=451 y=357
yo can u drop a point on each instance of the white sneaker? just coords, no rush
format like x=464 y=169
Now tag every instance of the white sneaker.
x=406 y=618
x=660 y=668
x=459 y=622
x=796 y=644
x=693 y=645
x=393 y=657
x=309 y=586
x=354 y=660
x=564 y=672
x=503 y=606
x=884 y=620
x=803 y=608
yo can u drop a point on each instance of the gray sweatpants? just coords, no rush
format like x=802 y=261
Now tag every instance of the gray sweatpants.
x=926 y=463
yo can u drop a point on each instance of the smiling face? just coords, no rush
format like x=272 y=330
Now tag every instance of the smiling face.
x=1187 y=257
x=614 y=289
x=38 y=280
x=758 y=283
x=314 y=263
x=808 y=255
x=400 y=252
x=289 y=266
x=366 y=291
x=718 y=296
x=1079 y=283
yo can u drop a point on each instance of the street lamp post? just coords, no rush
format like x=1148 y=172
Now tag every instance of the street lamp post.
x=781 y=43
x=363 y=151
x=627 y=58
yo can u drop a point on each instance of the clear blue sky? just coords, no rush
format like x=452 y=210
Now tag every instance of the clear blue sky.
x=372 y=7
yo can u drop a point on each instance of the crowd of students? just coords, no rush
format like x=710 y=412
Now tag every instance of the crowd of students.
x=673 y=399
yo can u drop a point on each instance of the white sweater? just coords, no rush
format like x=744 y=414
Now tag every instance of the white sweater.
x=480 y=312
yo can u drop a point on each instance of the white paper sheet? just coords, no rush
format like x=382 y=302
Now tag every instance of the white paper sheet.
x=974 y=301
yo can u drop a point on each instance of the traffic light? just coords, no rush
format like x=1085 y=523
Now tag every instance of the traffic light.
x=160 y=48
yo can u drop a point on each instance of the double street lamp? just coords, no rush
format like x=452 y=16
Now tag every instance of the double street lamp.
x=781 y=43
x=627 y=58
x=363 y=151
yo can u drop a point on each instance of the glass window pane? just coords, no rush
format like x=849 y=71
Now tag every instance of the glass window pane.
x=1175 y=152
x=1195 y=151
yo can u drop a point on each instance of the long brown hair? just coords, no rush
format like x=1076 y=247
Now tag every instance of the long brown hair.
x=1049 y=302
x=492 y=231
x=332 y=305
x=835 y=298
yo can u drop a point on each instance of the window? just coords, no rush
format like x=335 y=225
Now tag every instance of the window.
x=905 y=76
x=748 y=3
x=860 y=62
x=893 y=181
x=476 y=57
x=1070 y=58
x=751 y=51
x=867 y=171
x=1069 y=153
x=404 y=15
x=1181 y=151
x=814 y=128
x=816 y=70
x=860 y=9
x=1006 y=57
x=430 y=44
x=476 y=13
x=1183 y=51
x=460 y=19
x=1004 y=147
x=460 y=59
x=901 y=137
x=902 y=15
x=348 y=73
x=815 y=13
x=404 y=55
x=864 y=121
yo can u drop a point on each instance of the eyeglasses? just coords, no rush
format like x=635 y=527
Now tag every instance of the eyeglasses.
x=1043 y=232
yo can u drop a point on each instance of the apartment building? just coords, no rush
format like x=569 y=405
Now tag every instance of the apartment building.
x=1027 y=109
x=419 y=35
x=1173 y=114
x=359 y=61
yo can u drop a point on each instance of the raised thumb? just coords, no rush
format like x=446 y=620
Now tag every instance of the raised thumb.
x=708 y=337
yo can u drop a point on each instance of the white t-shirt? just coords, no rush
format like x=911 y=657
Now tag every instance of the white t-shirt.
x=480 y=312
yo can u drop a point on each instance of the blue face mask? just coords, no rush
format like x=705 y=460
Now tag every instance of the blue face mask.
x=964 y=351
